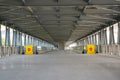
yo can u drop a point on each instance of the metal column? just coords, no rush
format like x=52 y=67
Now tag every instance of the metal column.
x=111 y=40
x=21 y=39
x=20 y=43
x=7 y=42
x=118 y=40
x=105 y=37
x=99 y=42
x=24 y=39
x=0 y=37
x=31 y=40
x=93 y=40
x=102 y=37
x=1 y=52
x=7 y=37
x=105 y=41
x=89 y=39
x=28 y=39
x=111 y=36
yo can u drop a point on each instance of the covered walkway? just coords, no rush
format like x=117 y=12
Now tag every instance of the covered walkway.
x=60 y=65
x=35 y=34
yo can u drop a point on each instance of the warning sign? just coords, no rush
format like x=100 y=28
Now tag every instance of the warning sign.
x=91 y=49
x=29 y=50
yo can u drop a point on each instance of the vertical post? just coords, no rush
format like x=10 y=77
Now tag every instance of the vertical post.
x=28 y=39
x=0 y=43
x=111 y=36
x=24 y=39
x=0 y=36
x=118 y=39
x=102 y=37
x=111 y=39
x=20 y=39
x=89 y=40
x=7 y=39
x=13 y=38
x=105 y=37
x=102 y=41
x=86 y=41
x=99 y=42
x=31 y=41
x=93 y=40
x=16 y=39
x=105 y=40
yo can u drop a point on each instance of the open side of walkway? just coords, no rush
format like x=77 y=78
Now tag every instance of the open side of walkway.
x=60 y=65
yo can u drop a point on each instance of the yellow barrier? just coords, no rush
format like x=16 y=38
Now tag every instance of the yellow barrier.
x=29 y=50
x=90 y=49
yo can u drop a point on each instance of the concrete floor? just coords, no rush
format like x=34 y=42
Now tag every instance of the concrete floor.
x=60 y=65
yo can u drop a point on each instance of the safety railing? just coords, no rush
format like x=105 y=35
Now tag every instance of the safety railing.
x=7 y=51
x=111 y=49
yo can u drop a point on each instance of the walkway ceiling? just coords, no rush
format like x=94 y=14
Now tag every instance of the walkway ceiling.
x=59 y=20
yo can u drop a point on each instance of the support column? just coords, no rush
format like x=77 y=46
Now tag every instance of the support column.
x=61 y=45
x=93 y=40
x=111 y=40
x=99 y=42
x=7 y=37
x=28 y=39
x=15 y=38
x=7 y=41
x=24 y=39
x=0 y=37
x=31 y=41
x=105 y=37
x=89 y=40
x=102 y=38
x=105 y=41
x=118 y=39
x=21 y=48
x=102 y=41
x=21 y=39
x=1 y=51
